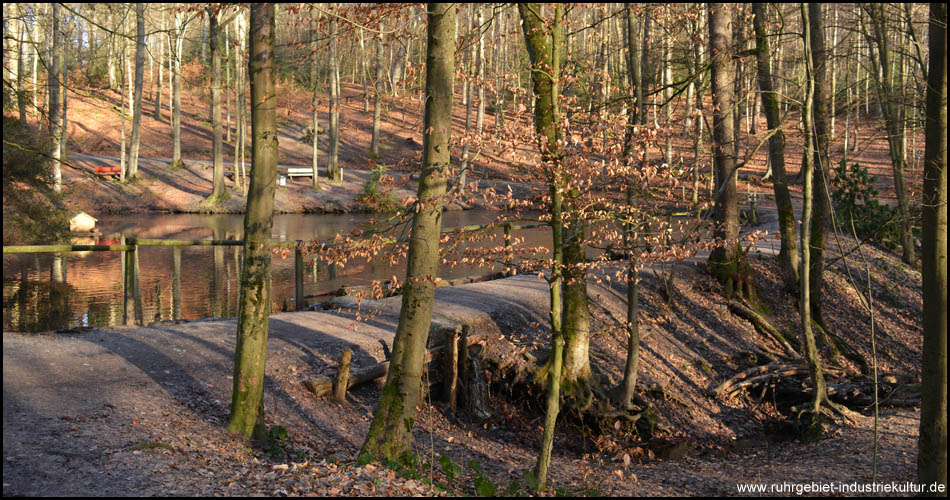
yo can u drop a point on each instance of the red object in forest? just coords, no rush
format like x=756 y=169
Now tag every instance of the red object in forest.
x=108 y=171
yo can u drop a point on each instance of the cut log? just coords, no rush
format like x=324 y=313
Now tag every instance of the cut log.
x=322 y=386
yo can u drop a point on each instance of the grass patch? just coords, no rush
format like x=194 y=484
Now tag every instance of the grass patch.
x=152 y=445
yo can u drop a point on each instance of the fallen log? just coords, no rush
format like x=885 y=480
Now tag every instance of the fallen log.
x=321 y=386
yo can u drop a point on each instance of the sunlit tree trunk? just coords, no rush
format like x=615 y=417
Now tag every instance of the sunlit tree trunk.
x=176 y=90
x=219 y=192
x=390 y=433
x=54 y=111
x=545 y=42
x=932 y=448
x=377 y=97
x=137 y=104
x=727 y=262
x=247 y=417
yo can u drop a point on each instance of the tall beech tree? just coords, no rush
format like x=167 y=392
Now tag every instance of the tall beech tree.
x=821 y=159
x=727 y=262
x=135 y=144
x=544 y=39
x=819 y=387
x=883 y=77
x=390 y=434
x=218 y=192
x=932 y=447
x=54 y=111
x=247 y=415
x=788 y=254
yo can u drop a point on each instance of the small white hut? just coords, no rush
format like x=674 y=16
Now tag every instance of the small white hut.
x=82 y=223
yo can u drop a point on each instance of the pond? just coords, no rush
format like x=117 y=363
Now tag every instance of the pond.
x=45 y=292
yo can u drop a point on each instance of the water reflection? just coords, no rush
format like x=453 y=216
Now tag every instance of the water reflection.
x=44 y=292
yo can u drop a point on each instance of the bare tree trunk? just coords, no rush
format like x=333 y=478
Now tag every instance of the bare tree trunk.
x=390 y=433
x=788 y=255
x=333 y=167
x=821 y=165
x=892 y=123
x=219 y=192
x=932 y=447
x=161 y=56
x=315 y=125
x=545 y=43
x=377 y=97
x=54 y=111
x=137 y=105
x=247 y=404
x=176 y=91
x=727 y=262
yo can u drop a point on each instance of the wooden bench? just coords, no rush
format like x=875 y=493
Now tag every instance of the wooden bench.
x=299 y=172
x=108 y=171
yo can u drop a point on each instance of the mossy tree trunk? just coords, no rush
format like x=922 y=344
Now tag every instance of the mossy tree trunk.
x=134 y=146
x=390 y=434
x=247 y=416
x=788 y=254
x=727 y=262
x=545 y=41
x=218 y=192
x=932 y=448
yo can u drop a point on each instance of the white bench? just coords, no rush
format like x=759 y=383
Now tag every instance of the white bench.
x=299 y=172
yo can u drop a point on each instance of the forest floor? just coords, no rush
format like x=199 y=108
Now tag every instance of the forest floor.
x=141 y=411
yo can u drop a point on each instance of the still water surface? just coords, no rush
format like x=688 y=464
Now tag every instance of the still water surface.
x=44 y=292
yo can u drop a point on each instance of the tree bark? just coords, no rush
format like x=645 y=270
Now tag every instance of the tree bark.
x=55 y=103
x=333 y=166
x=726 y=262
x=218 y=192
x=246 y=416
x=932 y=447
x=821 y=164
x=176 y=91
x=390 y=433
x=377 y=97
x=137 y=103
x=545 y=41
x=788 y=254
x=892 y=123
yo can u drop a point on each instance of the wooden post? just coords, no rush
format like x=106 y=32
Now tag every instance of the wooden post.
x=298 y=277
x=342 y=376
x=176 y=283
x=463 y=364
x=451 y=369
x=508 y=249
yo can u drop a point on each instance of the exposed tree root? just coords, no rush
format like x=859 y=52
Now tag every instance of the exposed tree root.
x=748 y=313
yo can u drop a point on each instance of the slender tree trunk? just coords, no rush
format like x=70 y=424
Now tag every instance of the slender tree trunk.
x=545 y=41
x=20 y=69
x=218 y=193
x=315 y=125
x=821 y=165
x=161 y=56
x=633 y=330
x=727 y=262
x=137 y=105
x=377 y=97
x=788 y=254
x=390 y=434
x=932 y=447
x=892 y=123
x=55 y=103
x=247 y=417
x=176 y=91
x=333 y=167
